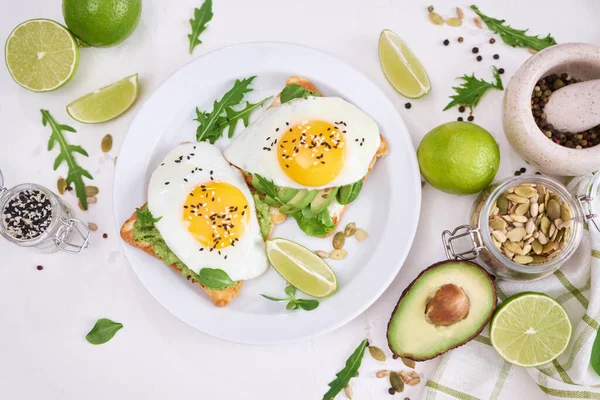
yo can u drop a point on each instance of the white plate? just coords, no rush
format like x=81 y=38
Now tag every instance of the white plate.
x=387 y=208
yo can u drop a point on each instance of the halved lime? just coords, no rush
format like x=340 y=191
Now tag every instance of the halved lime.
x=41 y=55
x=401 y=67
x=301 y=267
x=105 y=103
x=530 y=329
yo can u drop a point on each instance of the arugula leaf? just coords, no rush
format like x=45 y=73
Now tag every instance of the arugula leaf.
x=514 y=37
x=201 y=18
x=349 y=371
x=295 y=91
x=472 y=89
x=76 y=172
x=232 y=117
x=145 y=216
x=103 y=331
x=318 y=225
x=215 y=278
x=266 y=187
x=596 y=354
x=293 y=302
x=348 y=193
x=207 y=129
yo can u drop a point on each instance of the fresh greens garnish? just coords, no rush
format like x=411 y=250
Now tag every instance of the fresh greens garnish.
x=472 y=89
x=295 y=91
x=145 y=216
x=216 y=279
x=293 y=302
x=76 y=173
x=211 y=125
x=348 y=193
x=348 y=372
x=514 y=37
x=201 y=18
x=596 y=354
x=317 y=225
x=267 y=187
x=103 y=331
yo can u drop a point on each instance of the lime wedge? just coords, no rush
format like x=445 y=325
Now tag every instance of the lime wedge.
x=401 y=67
x=301 y=267
x=530 y=329
x=105 y=103
x=41 y=55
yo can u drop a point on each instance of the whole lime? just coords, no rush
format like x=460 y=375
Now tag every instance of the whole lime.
x=459 y=158
x=102 y=23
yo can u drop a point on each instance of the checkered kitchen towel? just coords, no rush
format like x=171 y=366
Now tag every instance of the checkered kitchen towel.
x=475 y=371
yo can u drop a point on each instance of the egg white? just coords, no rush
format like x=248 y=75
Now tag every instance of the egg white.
x=247 y=151
x=245 y=260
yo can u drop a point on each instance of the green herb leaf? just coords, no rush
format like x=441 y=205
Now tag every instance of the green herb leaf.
x=76 y=172
x=596 y=354
x=295 y=91
x=514 y=37
x=273 y=298
x=291 y=305
x=348 y=193
x=290 y=290
x=145 y=216
x=318 y=225
x=232 y=117
x=307 y=305
x=201 y=18
x=472 y=89
x=103 y=331
x=267 y=187
x=215 y=278
x=207 y=129
x=349 y=371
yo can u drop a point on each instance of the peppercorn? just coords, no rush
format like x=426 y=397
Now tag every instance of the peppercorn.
x=446 y=42
x=395 y=356
x=475 y=50
x=492 y=40
x=461 y=109
x=501 y=71
x=460 y=39
x=391 y=391
x=479 y=58
x=39 y=267
x=104 y=235
x=496 y=56
x=407 y=106
x=523 y=170
x=459 y=118
x=517 y=173
x=471 y=118
x=538 y=173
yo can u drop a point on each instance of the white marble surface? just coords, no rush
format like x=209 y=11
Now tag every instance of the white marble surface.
x=44 y=315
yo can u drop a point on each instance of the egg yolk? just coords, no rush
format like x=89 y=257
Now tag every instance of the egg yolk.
x=216 y=214
x=312 y=152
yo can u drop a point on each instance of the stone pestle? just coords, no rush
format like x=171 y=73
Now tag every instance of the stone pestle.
x=575 y=108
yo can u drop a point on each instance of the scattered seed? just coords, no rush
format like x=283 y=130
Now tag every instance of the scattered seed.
x=460 y=40
x=338 y=240
x=446 y=42
x=522 y=259
x=350 y=229
x=348 y=392
x=361 y=235
x=500 y=71
x=396 y=382
x=338 y=254
x=408 y=362
x=492 y=40
x=91 y=191
x=430 y=8
x=454 y=21
x=532 y=51
x=459 y=13
x=411 y=378
x=93 y=227
x=475 y=50
x=478 y=22
x=322 y=254
x=40 y=267
x=107 y=143
x=377 y=353
x=407 y=106
x=104 y=236
x=92 y=200
x=391 y=391
x=496 y=57
x=382 y=373
x=436 y=18
x=479 y=58
x=61 y=185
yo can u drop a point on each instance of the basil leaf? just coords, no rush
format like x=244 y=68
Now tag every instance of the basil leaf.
x=348 y=193
x=215 y=278
x=290 y=290
x=596 y=354
x=103 y=331
x=273 y=298
x=307 y=305
x=145 y=216
x=295 y=91
x=292 y=305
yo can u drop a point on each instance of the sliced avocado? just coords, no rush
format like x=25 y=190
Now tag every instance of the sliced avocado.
x=299 y=201
x=447 y=305
x=271 y=202
x=287 y=194
x=323 y=199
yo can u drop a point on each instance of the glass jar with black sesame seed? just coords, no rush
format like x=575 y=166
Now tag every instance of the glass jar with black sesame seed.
x=33 y=216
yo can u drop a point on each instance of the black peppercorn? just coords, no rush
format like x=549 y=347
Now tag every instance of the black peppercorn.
x=459 y=118
x=104 y=235
x=471 y=118
x=391 y=391
x=407 y=106
x=492 y=40
x=517 y=173
x=496 y=56
x=523 y=170
x=460 y=39
x=479 y=58
x=39 y=267
x=446 y=42
x=461 y=109
x=475 y=50
x=501 y=71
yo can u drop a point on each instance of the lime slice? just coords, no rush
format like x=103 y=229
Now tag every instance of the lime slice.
x=301 y=267
x=530 y=329
x=41 y=55
x=105 y=103
x=401 y=67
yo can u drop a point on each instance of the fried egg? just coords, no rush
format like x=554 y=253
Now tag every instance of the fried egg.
x=207 y=214
x=314 y=143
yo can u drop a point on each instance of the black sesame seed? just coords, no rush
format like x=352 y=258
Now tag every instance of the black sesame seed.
x=479 y=58
x=538 y=173
x=496 y=56
x=407 y=106
x=166 y=183
x=446 y=42
x=475 y=50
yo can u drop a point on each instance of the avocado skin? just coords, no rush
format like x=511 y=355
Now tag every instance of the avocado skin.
x=409 y=287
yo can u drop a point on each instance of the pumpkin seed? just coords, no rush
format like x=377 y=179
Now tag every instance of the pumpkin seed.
x=361 y=235
x=523 y=259
x=338 y=254
x=396 y=382
x=565 y=213
x=539 y=259
x=408 y=362
x=517 y=199
x=91 y=191
x=61 y=185
x=552 y=230
x=560 y=235
x=508 y=253
x=382 y=373
x=436 y=18
x=548 y=247
x=537 y=247
x=542 y=238
x=348 y=392
x=512 y=247
x=92 y=200
x=525 y=191
x=516 y=234
x=377 y=353
x=322 y=254
x=530 y=227
x=350 y=229
x=553 y=209
x=502 y=204
x=460 y=13
x=93 y=227
x=526 y=249
x=522 y=209
x=454 y=21
x=411 y=378
x=498 y=224
x=534 y=209
x=545 y=225
x=519 y=218
x=107 y=143
x=499 y=236
x=338 y=240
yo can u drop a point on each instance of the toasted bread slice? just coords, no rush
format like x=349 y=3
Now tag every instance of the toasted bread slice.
x=220 y=298
x=382 y=151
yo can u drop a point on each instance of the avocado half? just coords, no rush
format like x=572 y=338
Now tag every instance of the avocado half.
x=447 y=305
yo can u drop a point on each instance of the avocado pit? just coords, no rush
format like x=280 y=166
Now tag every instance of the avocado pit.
x=449 y=305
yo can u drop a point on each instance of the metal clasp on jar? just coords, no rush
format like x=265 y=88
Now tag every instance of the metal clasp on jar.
x=72 y=228
x=585 y=202
x=464 y=231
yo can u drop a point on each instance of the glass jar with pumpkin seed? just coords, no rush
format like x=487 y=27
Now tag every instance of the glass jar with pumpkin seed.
x=523 y=228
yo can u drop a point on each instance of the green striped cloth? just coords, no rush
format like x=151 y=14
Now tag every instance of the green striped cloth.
x=476 y=371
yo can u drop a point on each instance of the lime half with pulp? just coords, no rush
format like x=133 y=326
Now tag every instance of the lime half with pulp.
x=105 y=103
x=530 y=329
x=41 y=55
x=401 y=67
x=301 y=267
